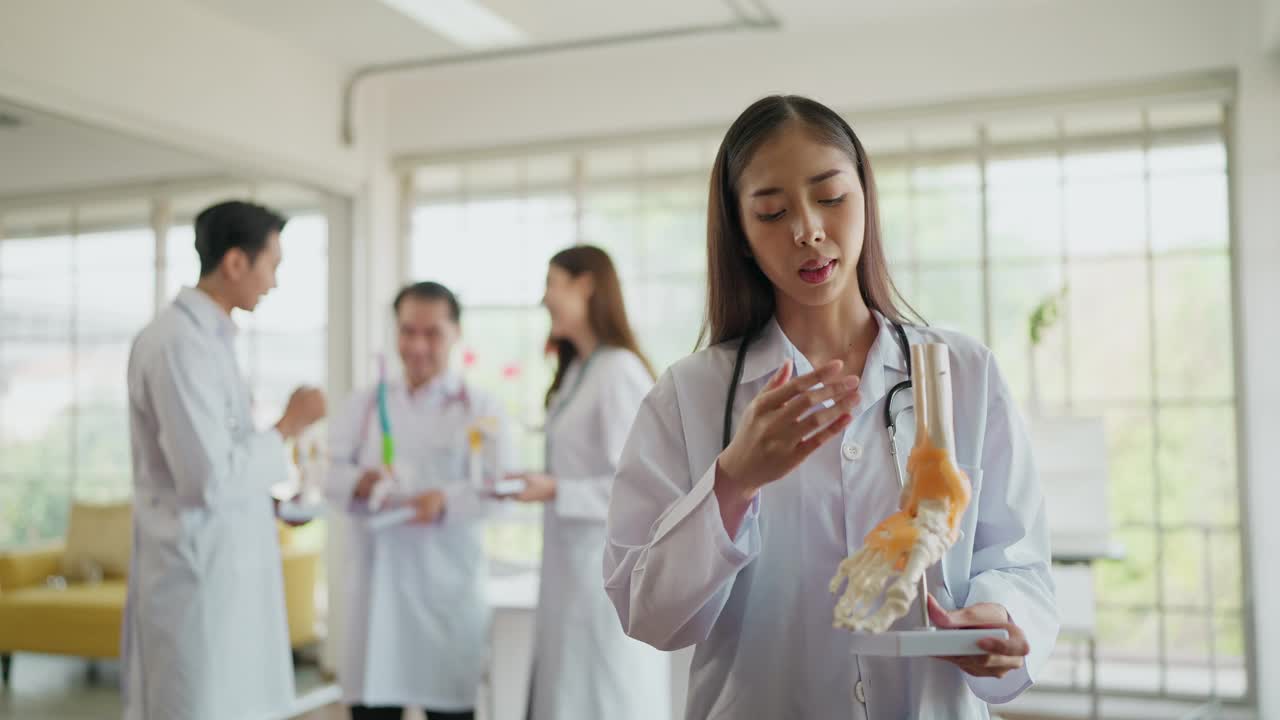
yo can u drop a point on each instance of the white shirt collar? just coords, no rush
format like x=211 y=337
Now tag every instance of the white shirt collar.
x=207 y=313
x=772 y=348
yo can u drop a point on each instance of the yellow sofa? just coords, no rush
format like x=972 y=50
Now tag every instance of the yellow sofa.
x=84 y=620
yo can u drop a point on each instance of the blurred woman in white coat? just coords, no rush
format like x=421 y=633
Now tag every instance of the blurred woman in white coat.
x=729 y=517
x=584 y=666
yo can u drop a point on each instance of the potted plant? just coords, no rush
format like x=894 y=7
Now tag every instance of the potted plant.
x=1043 y=317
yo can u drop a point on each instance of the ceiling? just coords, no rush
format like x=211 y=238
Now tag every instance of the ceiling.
x=42 y=153
x=355 y=33
x=46 y=153
x=50 y=166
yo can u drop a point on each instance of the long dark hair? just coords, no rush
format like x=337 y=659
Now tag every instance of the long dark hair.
x=740 y=298
x=606 y=312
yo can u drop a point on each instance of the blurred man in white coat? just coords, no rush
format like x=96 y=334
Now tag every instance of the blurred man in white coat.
x=417 y=618
x=205 y=634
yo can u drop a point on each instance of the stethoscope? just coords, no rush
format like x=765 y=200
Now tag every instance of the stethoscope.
x=890 y=416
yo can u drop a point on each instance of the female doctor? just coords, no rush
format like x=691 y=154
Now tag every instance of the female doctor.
x=584 y=666
x=730 y=546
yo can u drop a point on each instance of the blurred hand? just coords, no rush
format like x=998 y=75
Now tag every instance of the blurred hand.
x=428 y=507
x=364 y=486
x=1003 y=656
x=538 y=487
x=306 y=405
x=275 y=506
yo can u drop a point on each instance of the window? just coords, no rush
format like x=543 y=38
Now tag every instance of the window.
x=37 y=428
x=76 y=286
x=115 y=293
x=71 y=299
x=983 y=220
x=1134 y=227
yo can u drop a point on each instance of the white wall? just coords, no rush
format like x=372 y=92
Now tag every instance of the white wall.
x=174 y=73
x=1022 y=49
x=1271 y=26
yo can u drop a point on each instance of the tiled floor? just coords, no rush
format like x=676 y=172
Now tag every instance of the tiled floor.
x=337 y=712
x=46 y=688
x=57 y=688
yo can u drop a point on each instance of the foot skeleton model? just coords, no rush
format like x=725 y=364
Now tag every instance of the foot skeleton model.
x=310 y=472
x=884 y=575
x=308 y=501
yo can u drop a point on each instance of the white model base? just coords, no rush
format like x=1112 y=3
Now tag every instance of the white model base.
x=923 y=643
x=505 y=488
x=391 y=518
x=294 y=511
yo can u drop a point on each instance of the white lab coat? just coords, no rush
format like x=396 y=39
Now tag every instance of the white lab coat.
x=205 y=632
x=584 y=666
x=416 y=621
x=757 y=606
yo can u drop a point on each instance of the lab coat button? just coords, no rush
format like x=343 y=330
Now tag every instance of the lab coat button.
x=852 y=451
x=859 y=693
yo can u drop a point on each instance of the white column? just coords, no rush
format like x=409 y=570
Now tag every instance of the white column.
x=1256 y=213
x=338 y=383
x=338 y=215
x=404 y=226
x=161 y=221
x=1271 y=27
x=365 y=263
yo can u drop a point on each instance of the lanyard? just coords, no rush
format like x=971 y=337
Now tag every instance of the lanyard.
x=462 y=396
x=557 y=409
x=561 y=403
